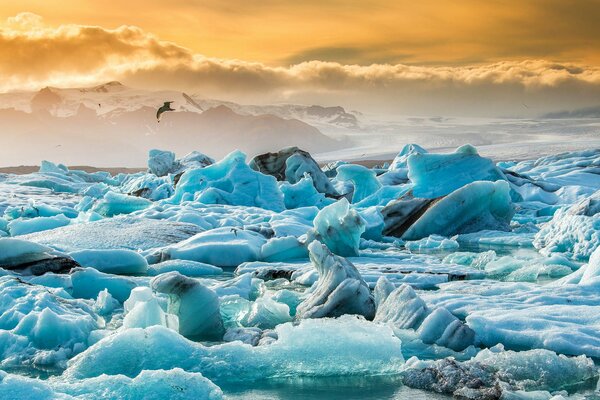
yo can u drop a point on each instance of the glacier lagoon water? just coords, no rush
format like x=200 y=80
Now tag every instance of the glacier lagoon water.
x=437 y=276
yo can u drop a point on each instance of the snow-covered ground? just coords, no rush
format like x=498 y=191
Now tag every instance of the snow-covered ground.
x=444 y=274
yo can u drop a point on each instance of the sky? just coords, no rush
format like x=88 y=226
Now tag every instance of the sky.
x=464 y=57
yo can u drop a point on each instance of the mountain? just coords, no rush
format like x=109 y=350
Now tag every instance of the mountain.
x=119 y=125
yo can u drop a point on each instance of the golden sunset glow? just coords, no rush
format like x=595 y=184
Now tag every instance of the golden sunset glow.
x=400 y=55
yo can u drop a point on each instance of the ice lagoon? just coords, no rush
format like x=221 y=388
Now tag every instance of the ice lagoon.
x=438 y=275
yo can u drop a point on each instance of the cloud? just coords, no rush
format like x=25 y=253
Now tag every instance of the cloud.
x=33 y=55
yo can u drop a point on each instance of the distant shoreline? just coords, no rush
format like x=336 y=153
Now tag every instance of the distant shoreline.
x=28 y=169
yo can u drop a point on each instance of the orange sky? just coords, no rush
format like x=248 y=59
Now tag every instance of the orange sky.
x=279 y=32
x=467 y=55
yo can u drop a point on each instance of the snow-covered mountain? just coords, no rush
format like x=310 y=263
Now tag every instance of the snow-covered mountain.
x=115 y=125
x=119 y=124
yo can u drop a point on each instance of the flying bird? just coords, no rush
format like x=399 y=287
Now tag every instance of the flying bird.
x=165 y=107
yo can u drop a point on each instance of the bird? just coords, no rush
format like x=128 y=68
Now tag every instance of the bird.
x=165 y=107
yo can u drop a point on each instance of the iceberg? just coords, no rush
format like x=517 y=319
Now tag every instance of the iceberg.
x=20 y=226
x=142 y=310
x=223 y=247
x=116 y=261
x=292 y=165
x=173 y=384
x=229 y=181
x=474 y=207
x=340 y=289
x=347 y=346
x=117 y=203
x=31 y=258
x=340 y=227
x=125 y=232
x=574 y=230
x=363 y=180
x=437 y=175
x=196 y=306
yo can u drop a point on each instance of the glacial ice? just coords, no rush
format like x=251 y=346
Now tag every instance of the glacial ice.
x=229 y=181
x=223 y=247
x=436 y=175
x=196 y=306
x=292 y=165
x=19 y=226
x=152 y=385
x=340 y=289
x=348 y=346
x=116 y=261
x=485 y=274
x=339 y=226
x=364 y=180
x=474 y=207
x=116 y=203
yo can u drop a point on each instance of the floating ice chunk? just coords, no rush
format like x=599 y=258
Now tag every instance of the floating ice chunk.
x=283 y=249
x=382 y=290
x=432 y=242
x=570 y=231
x=174 y=384
x=402 y=308
x=303 y=194
x=266 y=313
x=117 y=261
x=436 y=175
x=223 y=247
x=142 y=310
x=89 y=282
x=184 y=267
x=249 y=336
x=400 y=161
x=363 y=179
x=16 y=251
x=54 y=325
x=347 y=346
x=339 y=226
x=24 y=226
x=230 y=181
x=196 y=305
x=292 y=164
x=474 y=207
x=148 y=186
x=538 y=369
x=495 y=373
x=589 y=274
x=293 y=222
x=117 y=203
x=160 y=162
x=32 y=258
x=400 y=214
x=475 y=260
x=444 y=329
x=125 y=232
x=340 y=289
x=105 y=303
